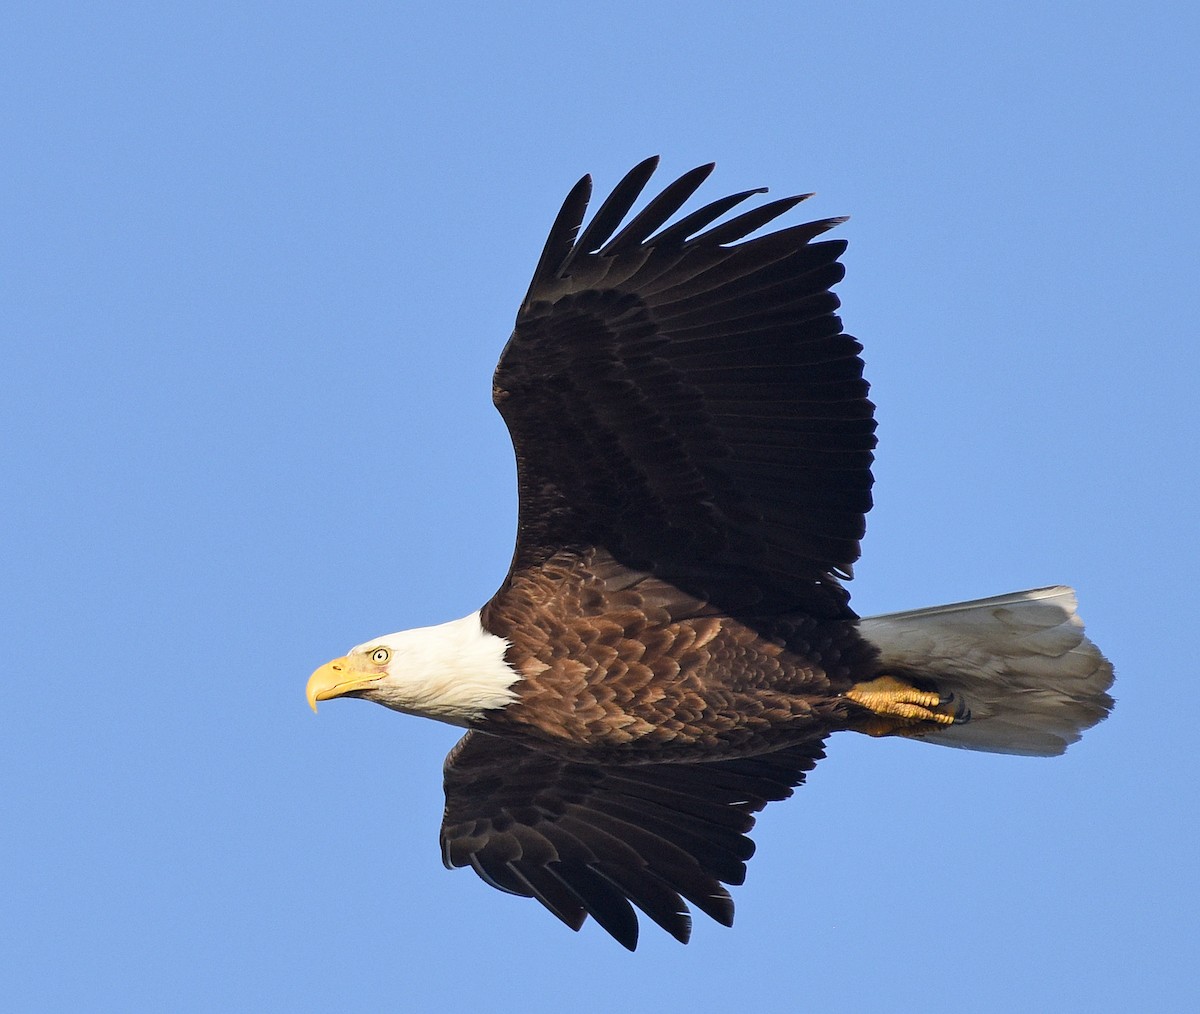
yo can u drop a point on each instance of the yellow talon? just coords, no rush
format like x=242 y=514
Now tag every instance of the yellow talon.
x=899 y=708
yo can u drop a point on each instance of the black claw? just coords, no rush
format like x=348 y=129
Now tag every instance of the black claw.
x=962 y=713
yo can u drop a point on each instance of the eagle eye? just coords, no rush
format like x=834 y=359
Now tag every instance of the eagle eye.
x=380 y=656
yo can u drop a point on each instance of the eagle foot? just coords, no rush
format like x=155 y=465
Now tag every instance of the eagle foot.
x=898 y=708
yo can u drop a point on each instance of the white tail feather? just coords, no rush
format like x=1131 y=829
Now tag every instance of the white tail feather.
x=1031 y=679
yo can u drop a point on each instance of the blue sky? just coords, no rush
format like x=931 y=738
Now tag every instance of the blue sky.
x=258 y=261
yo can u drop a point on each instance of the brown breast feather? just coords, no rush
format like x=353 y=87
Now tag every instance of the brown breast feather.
x=617 y=661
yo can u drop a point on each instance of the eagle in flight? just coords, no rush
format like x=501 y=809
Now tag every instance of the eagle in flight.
x=673 y=643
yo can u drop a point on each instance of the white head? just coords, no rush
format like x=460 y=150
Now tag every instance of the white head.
x=452 y=672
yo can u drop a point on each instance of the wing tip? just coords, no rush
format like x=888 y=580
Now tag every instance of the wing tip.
x=570 y=241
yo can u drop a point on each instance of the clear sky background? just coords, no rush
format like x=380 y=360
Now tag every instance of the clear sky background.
x=258 y=262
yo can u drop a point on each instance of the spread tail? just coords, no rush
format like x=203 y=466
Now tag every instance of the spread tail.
x=1019 y=664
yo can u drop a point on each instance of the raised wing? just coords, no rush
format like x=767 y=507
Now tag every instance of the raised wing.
x=689 y=402
x=586 y=838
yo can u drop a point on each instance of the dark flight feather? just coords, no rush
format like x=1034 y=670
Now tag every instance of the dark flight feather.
x=611 y=213
x=658 y=211
x=596 y=835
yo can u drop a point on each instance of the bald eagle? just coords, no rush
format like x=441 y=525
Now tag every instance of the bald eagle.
x=673 y=643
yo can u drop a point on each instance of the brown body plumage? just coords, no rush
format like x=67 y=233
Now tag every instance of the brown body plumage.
x=623 y=667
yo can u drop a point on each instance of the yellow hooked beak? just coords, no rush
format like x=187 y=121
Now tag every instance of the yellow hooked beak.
x=336 y=678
